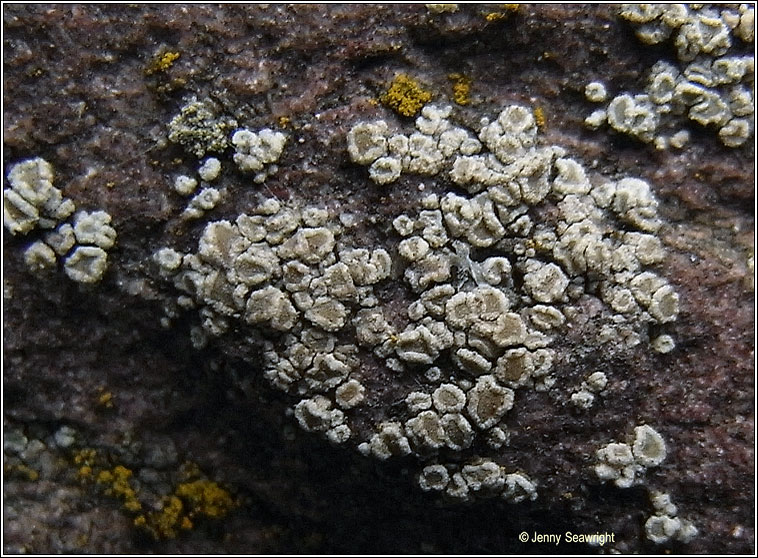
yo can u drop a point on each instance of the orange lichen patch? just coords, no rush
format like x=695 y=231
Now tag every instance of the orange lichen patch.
x=504 y=11
x=85 y=472
x=461 y=88
x=104 y=398
x=164 y=523
x=118 y=486
x=206 y=499
x=539 y=117
x=200 y=499
x=405 y=96
x=161 y=63
x=194 y=498
x=86 y=456
x=21 y=471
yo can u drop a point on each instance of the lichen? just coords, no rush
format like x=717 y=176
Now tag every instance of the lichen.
x=461 y=88
x=257 y=151
x=708 y=86
x=455 y=313
x=595 y=92
x=625 y=463
x=193 y=499
x=664 y=525
x=162 y=62
x=32 y=200
x=199 y=129
x=405 y=95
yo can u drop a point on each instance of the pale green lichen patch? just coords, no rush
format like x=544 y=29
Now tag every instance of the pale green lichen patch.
x=94 y=236
x=62 y=239
x=32 y=201
x=210 y=169
x=184 y=185
x=489 y=288
x=199 y=129
x=491 y=331
x=710 y=87
x=664 y=525
x=203 y=201
x=476 y=478
x=94 y=228
x=256 y=152
x=663 y=344
x=86 y=264
x=441 y=8
x=270 y=271
x=595 y=92
x=625 y=463
x=39 y=257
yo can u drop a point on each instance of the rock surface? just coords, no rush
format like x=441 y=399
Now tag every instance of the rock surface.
x=91 y=90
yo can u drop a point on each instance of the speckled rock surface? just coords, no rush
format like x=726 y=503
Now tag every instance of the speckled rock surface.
x=79 y=93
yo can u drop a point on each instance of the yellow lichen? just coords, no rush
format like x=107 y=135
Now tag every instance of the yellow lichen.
x=161 y=63
x=284 y=121
x=205 y=498
x=505 y=11
x=200 y=499
x=133 y=505
x=442 y=8
x=105 y=400
x=165 y=523
x=539 y=117
x=461 y=88
x=194 y=498
x=86 y=456
x=118 y=486
x=22 y=471
x=405 y=96
x=85 y=472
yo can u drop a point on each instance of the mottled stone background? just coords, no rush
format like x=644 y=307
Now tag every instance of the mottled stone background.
x=76 y=93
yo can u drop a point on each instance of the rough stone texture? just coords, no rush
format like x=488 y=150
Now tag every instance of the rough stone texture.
x=77 y=95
